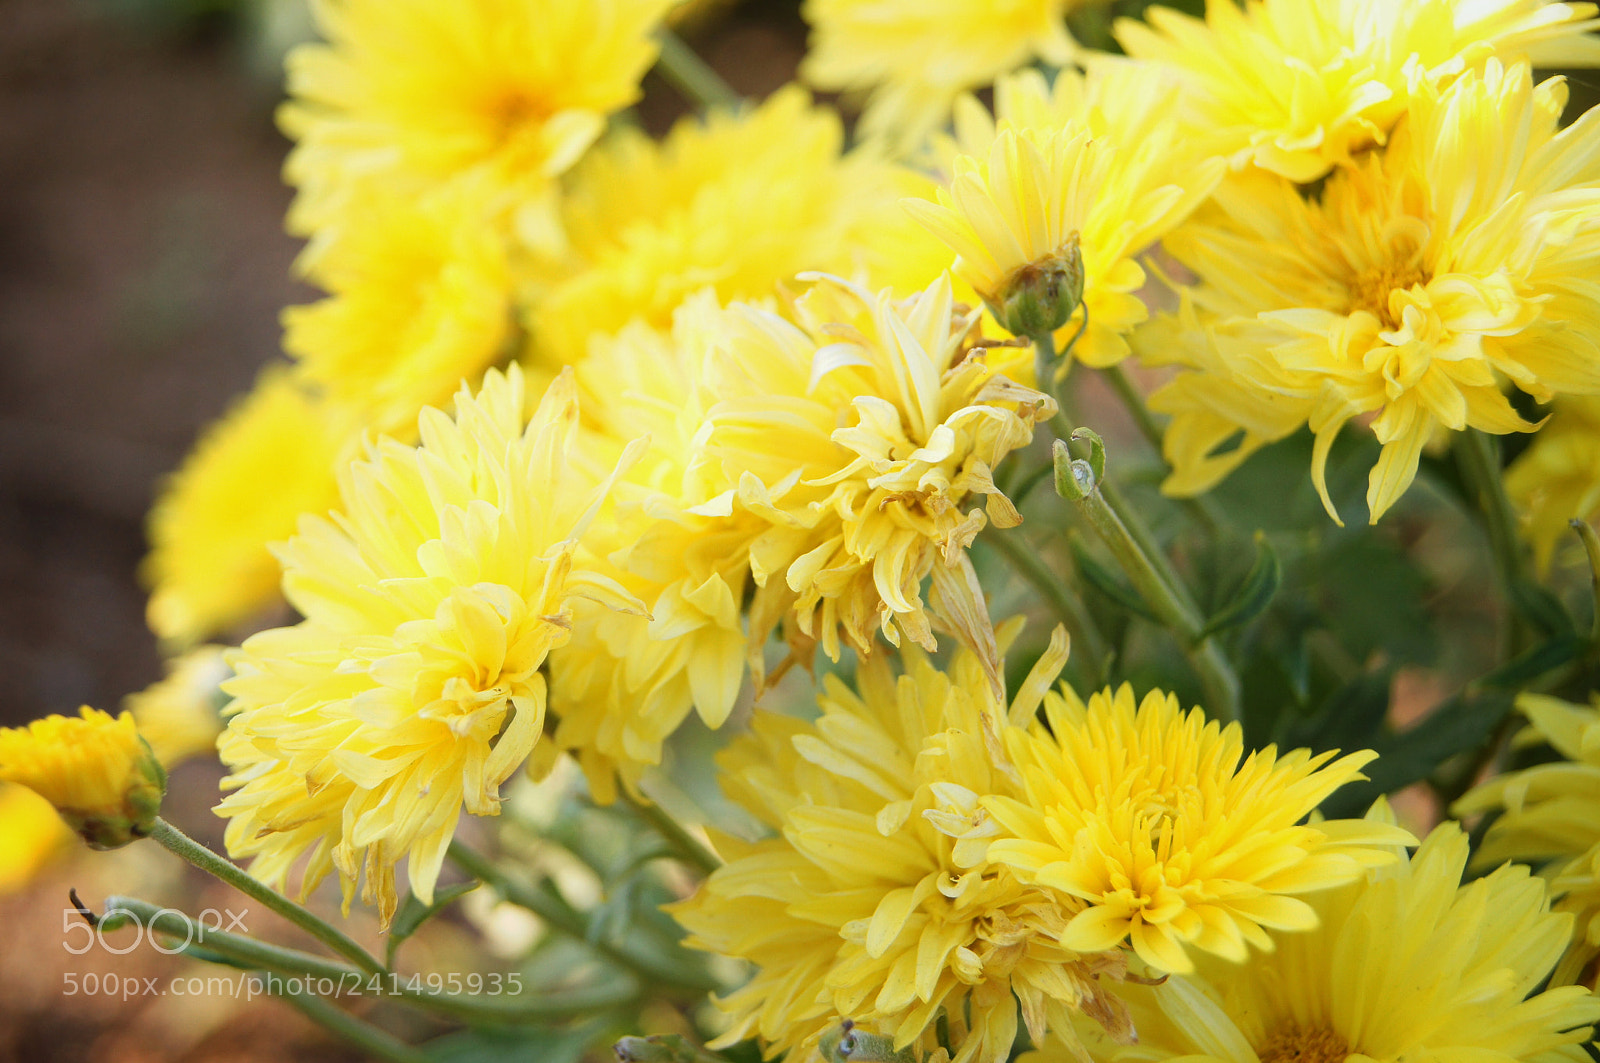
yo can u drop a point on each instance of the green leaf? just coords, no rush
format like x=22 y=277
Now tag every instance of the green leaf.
x=1351 y=718
x=1100 y=578
x=512 y=1046
x=1520 y=671
x=1542 y=608
x=413 y=913
x=1255 y=593
x=1373 y=597
x=1461 y=724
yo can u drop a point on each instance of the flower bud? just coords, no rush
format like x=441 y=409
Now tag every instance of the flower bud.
x=95 y=769
x=1041 y=296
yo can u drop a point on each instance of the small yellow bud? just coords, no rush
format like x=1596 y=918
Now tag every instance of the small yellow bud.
x=1039 y=297
x=94 y=768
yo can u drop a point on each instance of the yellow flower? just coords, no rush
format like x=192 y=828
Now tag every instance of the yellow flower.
x=95 y=770
x=270 y=459
x=860 y=432
x=1298 y=87
x=178 y=716
x=1405 y=964
x=1150 y=829
x=1550 y=814
x=421 y=300
x=915 y=57
x=1558 y=477
x=1027 y=195
x=412 y=687
x=625 y=682
x=1415 y=285
x=31 y=835
x=412 y=94
x=856 y=906
x=737 y=202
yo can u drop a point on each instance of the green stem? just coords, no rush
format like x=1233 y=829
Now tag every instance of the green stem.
x=1133 y=402
x=568 y=920
x=380 y=1044
x=1173 y=606
x=179 y=843
x=1147 y=565
x=685 y=846
x=691 y=76
x=1478 y=458
x=1027 y=564
x=249 y=954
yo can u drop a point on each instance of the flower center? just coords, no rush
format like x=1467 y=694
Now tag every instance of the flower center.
x=1292 y=1043
x=1370 y=289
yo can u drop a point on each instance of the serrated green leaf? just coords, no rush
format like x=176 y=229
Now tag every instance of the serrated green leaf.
x=1101 y=579
x=1254 y=594
x=413 y=913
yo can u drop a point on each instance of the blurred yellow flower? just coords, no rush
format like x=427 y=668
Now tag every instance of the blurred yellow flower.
x=859 y=432
x=1550 y=815
x=1298 y=87
x=1405 y=964
x=856 y=907
x=94 y=768
x=1104 y=171
x=247 y=481
x=420 y=302
x=736 y=202
x=412 y=687
x=31 y=834
x=913 y=58
x=179 y=716
x=1146 y=824
x=1558 y=477
x=1414 y=287
x=412 y=94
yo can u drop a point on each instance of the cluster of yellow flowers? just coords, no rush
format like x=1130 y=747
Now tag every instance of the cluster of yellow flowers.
x=593 y=432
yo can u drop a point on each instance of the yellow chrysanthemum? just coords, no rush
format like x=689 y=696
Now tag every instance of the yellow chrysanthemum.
x=625 y=682
x=1558 y=477
x=1148 y=826
x=179 y=715
x=1298 y=87
x=856 y=907
x=1103 y=174
x=737 y=202
x=861 y=431
x=94 y=768
x=1415 y=285
x=412 y=94
x=915 y=57
x=31 y=835
x=1405 y=964
x=420 y=301
x=245 y=484
x=1550 y=815
x=412 y=687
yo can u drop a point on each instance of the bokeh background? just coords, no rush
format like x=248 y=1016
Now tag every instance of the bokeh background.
x=143 y=266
